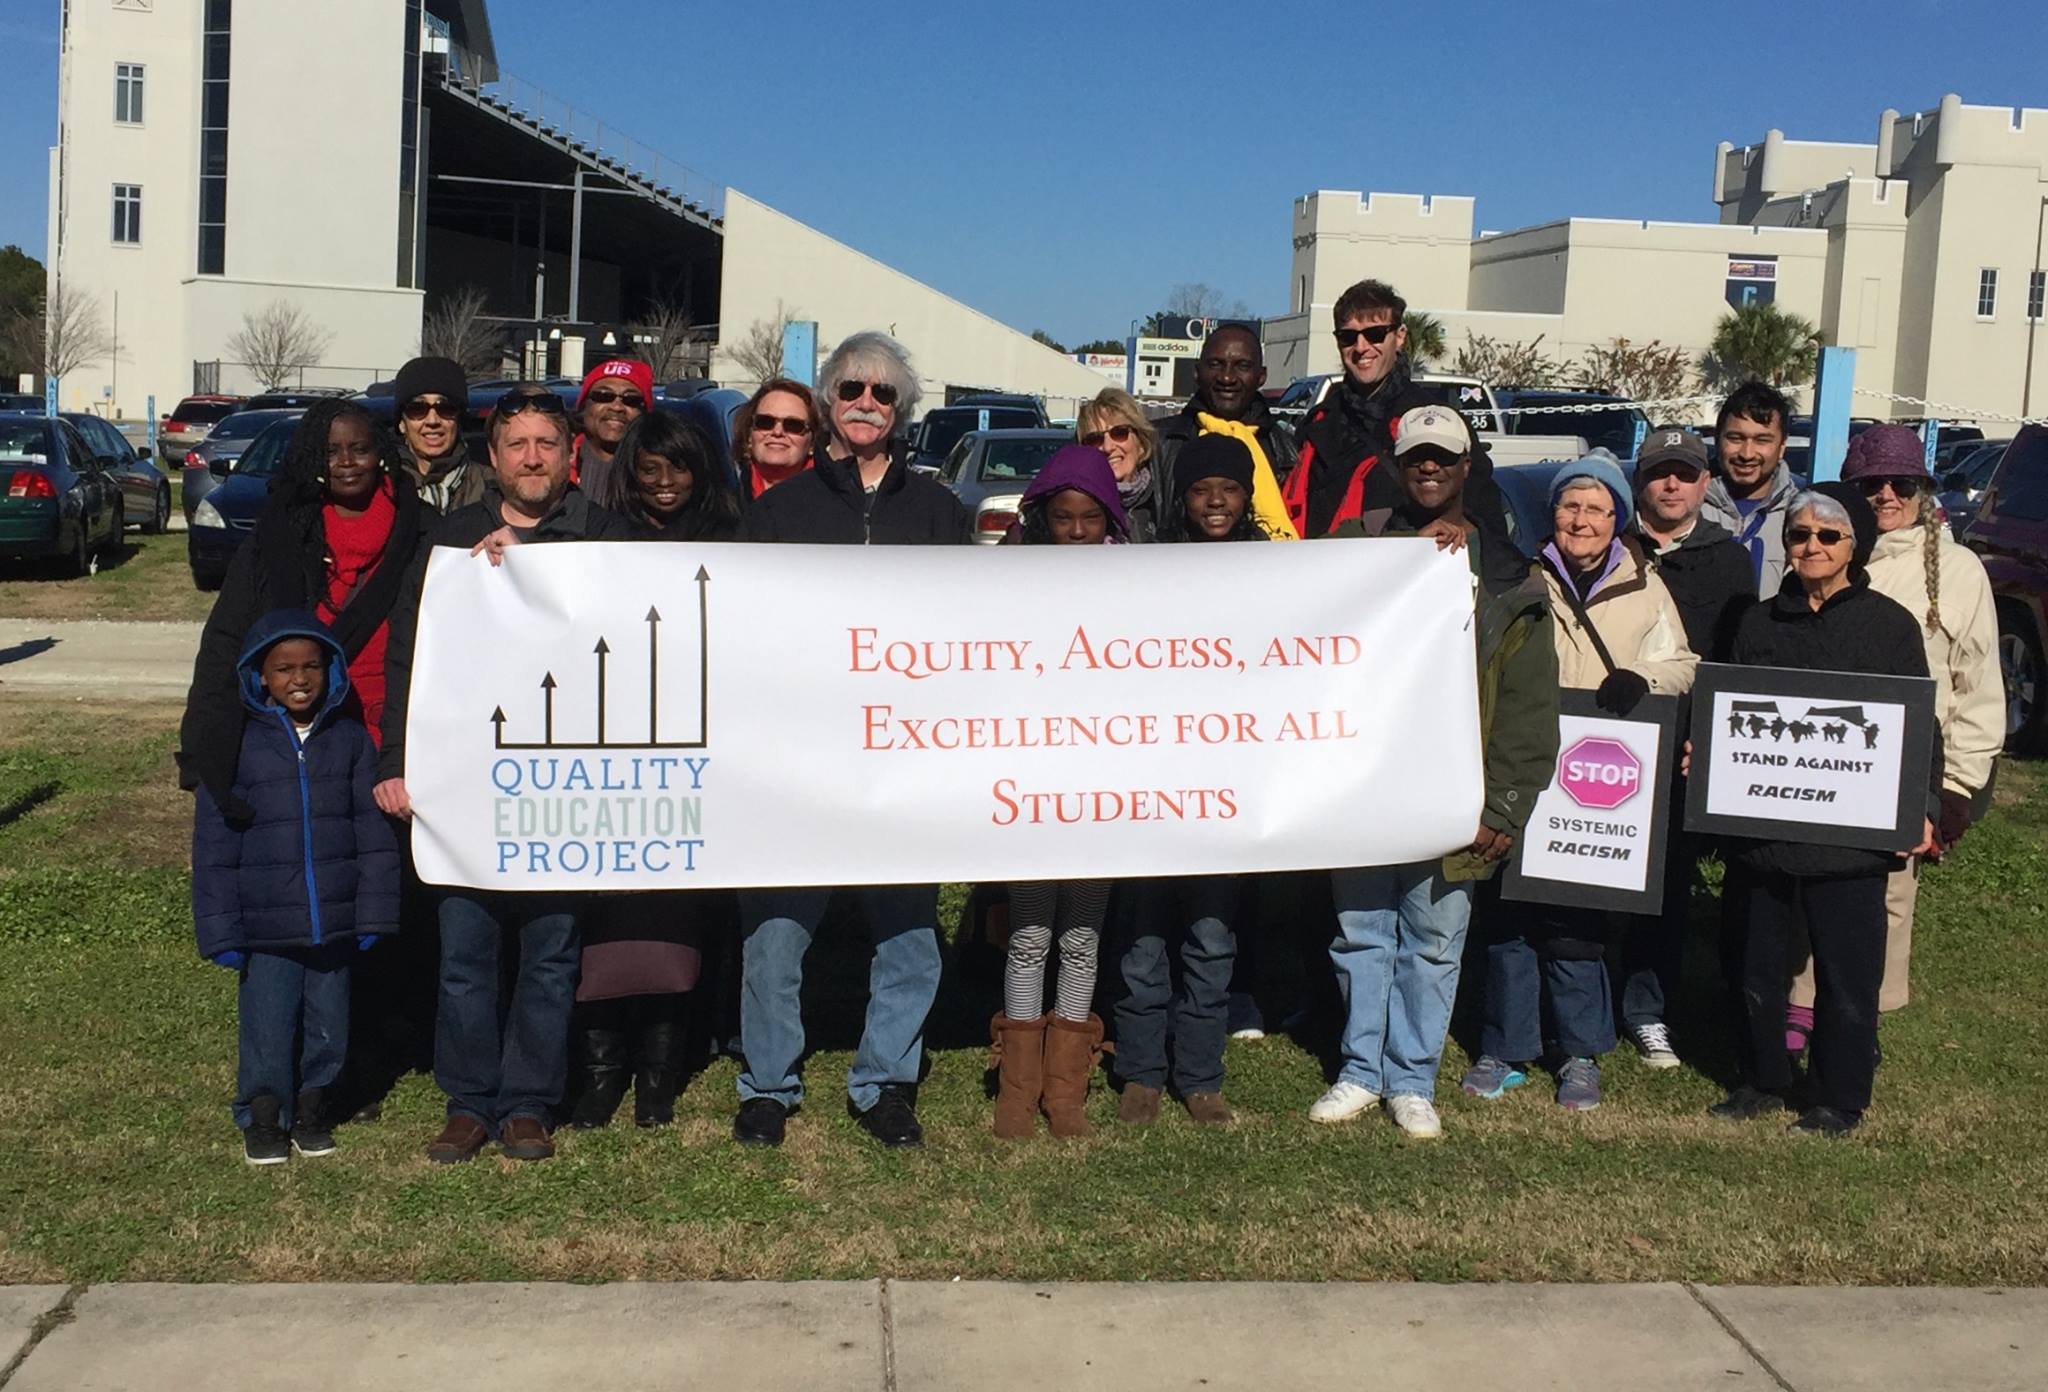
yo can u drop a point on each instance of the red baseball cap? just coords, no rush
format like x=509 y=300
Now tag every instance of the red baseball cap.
x=636 y=373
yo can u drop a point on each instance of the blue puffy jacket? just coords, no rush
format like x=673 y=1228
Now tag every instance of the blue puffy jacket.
x=317 y=862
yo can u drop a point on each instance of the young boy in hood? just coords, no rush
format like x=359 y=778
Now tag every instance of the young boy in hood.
x=286 y=896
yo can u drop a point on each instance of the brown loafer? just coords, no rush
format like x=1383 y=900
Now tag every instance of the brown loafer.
x=1139 y=1106
x=524 y=1138
x=459 y=1140
x=1209 y=1109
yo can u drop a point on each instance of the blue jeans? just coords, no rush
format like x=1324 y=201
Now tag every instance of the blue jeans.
x=1400 y=938
x=1549 y=956
x=1198 y=912
x=903 y=980
x=292 y=1005
x=493 y=1072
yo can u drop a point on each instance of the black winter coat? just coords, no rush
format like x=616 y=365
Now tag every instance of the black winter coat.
x=1275 y=438
x=317 y=861
x=1859 y=630
x=1711 y=582
x=827 y=504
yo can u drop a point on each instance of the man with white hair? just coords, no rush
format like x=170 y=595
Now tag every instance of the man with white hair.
x=861 y=492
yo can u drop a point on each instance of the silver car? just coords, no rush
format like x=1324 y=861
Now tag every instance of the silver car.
x=989 y=470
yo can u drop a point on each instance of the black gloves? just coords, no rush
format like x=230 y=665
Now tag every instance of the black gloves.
x=1620 y=692
x=1954 y=819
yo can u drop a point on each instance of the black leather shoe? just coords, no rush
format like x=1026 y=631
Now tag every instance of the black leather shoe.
x=1826 y=1121
x=601 y=1077
x=1747 y=1103
x=760 y=1122
x=893 y=1118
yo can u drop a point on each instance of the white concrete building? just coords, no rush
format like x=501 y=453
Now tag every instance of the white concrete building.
x=1922 y=251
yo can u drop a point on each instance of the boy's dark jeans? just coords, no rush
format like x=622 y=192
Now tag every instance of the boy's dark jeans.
x=1198 y=914
x=489 y=1073
x=293 y=1008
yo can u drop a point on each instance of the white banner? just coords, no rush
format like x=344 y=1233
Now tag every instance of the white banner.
x=652 y=715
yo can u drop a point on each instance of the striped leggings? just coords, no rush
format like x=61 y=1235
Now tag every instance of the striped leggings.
x=1078 y=906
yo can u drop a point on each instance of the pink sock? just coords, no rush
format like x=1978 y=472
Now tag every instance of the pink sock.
x=1798 y=1024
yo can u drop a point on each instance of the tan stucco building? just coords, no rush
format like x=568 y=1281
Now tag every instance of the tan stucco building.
x=1922 y=251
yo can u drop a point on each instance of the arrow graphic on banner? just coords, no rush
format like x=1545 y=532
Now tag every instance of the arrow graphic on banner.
x=602 y=650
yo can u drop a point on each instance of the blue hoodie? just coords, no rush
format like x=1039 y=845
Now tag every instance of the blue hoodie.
x=318 y=862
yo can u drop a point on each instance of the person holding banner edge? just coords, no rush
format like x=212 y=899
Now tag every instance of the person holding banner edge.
x=1401 y=928
x=1619 y=635
x=1826 y=617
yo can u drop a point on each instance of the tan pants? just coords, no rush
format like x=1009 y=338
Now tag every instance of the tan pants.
x=1901 y=890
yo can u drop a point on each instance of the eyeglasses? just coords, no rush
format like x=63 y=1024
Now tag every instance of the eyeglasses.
x=1119 y=433
x=1826 y=536
x=885 y=394
x=1374 y=334
x=1589 y=512
x=418 y=409
x=605 y=396
x=545 y=402
x=1902 y=486
x=788 y=425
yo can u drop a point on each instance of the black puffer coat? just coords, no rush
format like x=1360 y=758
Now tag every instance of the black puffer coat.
x=828 y=504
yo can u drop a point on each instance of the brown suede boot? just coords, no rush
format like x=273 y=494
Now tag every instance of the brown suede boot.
x=1072 y=1049
x=1017 y=1048
x=1139 y=1105
x=1209 y=1109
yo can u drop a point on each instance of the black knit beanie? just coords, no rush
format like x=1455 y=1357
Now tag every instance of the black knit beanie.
x=1212 y=456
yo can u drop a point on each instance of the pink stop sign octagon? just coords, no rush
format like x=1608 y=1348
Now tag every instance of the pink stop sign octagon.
x=1598 y=772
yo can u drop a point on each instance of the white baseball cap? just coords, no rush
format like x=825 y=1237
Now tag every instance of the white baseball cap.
x=1432 y=425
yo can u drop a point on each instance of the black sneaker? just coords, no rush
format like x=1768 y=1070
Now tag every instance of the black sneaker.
x=264 y=1141
x=1826 y=1121
x=1747 y=1103
x=312 y=1133
x=893 y=1118
x=760 y=1122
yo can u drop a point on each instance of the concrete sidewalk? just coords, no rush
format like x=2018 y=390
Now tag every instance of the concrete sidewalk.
x=904 y=1335
x=98 y=658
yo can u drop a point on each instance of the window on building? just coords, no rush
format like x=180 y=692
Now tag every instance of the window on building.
x=2037 y=290
x=128 y=213
x=1987 y=293
x=409 y=148
x=128 y=93
x=213 y=139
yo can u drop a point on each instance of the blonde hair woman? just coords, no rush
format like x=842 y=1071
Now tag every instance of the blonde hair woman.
x=1115 y=423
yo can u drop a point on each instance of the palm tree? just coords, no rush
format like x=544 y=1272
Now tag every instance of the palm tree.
x=1759 y=342
x=1425 y=337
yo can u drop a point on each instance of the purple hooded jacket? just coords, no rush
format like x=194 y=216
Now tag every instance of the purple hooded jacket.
x=1085 y=468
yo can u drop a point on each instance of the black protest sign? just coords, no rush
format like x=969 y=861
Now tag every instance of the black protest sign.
x=1833 y=758
x=1596 y=838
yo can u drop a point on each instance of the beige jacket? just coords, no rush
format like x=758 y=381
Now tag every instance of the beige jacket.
x=1962 y=654
x=1639 y=623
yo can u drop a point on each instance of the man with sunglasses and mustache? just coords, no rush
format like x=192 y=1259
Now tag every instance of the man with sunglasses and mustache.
x=859 y=493
x=430 y=400
x=615 y=394
x=1227 y=401
x=504 y=1074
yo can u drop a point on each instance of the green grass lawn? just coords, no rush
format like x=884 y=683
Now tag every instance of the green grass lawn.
x=150 y=579
x=117 y=1159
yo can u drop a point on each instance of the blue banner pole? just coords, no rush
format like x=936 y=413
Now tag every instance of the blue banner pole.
x=50 y=395
x=800 y=349
x=1930 y=437
x=149 y=405
x=1832 y=390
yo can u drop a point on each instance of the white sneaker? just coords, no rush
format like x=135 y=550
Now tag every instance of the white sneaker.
x=1248 y=1033
x=1416 y=1116
x=1653 y=1042
x=1342 y=1102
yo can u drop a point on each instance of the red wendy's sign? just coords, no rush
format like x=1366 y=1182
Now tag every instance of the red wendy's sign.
x=1599 y=773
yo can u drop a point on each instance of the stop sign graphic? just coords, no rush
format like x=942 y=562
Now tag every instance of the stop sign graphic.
x=1601 y=773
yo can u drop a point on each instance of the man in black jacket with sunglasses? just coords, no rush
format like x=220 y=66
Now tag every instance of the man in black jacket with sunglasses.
x=1229 y=377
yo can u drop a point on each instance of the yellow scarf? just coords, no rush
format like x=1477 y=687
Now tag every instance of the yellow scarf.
x=1267 y=505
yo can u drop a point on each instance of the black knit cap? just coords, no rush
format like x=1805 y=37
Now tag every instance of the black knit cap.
x=1212 y=456
x=442 y=376
x=1862 y=520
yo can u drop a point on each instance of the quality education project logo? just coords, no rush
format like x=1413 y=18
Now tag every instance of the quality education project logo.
x=605 y=792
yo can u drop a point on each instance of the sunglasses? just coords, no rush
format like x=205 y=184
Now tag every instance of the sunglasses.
x=1119 y=433
x=514 y=402
x=1374 y=334
x=788 y=425
x=1826 y=536
x=418 y=410
x=885 y=395
x=1902 y=487
x=605 y=396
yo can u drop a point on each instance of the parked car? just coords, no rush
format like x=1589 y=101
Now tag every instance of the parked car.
x=989 y=470
x=21 y=401
x=56 y=502
x=189 y=423
x=2010 y=531
x=145 y=489
x=224 y=517
x=1525 y=488
x=1960 y=487
x=1619 y=430
x=208 y=462
x=293 y=399
x=934 y=436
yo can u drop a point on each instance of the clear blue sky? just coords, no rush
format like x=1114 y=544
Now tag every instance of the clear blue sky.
x=1063 y=166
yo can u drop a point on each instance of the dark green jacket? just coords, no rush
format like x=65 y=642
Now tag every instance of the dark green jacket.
x=1517 y=694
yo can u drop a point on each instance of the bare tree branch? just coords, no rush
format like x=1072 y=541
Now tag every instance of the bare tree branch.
x=456 y=328
x=758 y=353
x=276 y=341
x=1199 y=301
x=665 y=333
x=62 y=332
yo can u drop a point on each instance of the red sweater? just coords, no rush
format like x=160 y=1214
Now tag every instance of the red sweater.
x=354 y=547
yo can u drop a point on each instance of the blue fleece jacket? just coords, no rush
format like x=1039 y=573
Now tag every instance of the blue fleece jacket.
x=318 y=862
